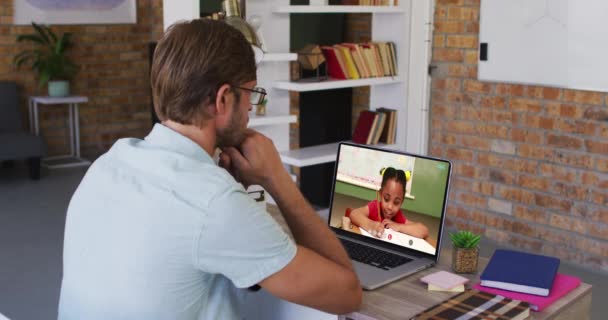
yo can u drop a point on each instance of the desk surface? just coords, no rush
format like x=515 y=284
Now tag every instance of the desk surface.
x=407 y=297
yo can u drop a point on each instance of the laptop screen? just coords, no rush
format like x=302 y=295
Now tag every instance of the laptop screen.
x=391 y=196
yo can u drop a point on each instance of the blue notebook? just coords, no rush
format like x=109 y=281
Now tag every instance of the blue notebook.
x=520 y=272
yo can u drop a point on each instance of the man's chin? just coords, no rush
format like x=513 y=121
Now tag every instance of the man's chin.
x=232 y=141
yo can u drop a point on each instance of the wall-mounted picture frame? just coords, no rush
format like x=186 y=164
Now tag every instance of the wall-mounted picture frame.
x=75 y=11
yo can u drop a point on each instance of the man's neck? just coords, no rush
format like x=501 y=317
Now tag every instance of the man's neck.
x=204 y=137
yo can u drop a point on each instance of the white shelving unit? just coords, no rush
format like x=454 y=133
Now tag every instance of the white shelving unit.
x=322 y=153
x=270 y=119
x=275 y=57
x=302 y=86
x=339 y=9
x=389 y=23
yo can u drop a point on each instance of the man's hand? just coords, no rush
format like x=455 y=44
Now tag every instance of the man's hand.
x=255 y=161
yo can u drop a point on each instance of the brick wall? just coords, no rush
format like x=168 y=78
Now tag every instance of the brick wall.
x=113 y=73
x=530 y=162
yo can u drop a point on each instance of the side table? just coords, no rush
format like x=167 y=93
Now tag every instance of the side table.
x=73 y=159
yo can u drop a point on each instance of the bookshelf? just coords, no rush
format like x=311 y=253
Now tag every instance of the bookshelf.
x=270 y=119
x=339 y=9
x=301 y=86
x=390 y=92
x=275 y=57
x=408 y=25
x=319 y=154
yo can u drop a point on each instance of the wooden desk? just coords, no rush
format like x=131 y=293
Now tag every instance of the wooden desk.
x=407 y=297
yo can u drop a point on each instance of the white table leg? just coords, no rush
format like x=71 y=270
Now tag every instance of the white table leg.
x=31 y=114
x=36 y=124
x=77 y=130
x=71 y=124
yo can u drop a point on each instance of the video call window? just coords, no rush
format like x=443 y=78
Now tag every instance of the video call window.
x=403 y=194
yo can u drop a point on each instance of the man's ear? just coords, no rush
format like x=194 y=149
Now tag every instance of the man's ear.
x=222 y=99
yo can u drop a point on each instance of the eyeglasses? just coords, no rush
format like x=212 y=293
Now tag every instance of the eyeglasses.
x=257 y=95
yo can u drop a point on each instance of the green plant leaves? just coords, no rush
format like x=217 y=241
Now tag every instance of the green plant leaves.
x=48 y=60
x=465 y=239
x=41 y=30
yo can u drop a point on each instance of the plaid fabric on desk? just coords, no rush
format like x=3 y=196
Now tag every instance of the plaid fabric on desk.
x=474 y=305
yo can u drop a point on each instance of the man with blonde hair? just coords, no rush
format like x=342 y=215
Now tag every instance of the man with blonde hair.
x=157 y=230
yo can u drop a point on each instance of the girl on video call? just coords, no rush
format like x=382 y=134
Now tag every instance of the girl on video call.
x=385 y=212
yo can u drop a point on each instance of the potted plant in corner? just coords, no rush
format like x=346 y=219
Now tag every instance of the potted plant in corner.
x=465 y=252
x=48 y=59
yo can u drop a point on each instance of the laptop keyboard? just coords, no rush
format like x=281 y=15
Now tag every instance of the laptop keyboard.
x=372 y=256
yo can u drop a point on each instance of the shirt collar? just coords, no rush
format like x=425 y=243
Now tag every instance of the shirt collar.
x=169 y=139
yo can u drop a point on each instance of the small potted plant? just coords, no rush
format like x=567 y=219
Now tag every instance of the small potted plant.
x=49 y=59
x=260 y=109
x=465 y=252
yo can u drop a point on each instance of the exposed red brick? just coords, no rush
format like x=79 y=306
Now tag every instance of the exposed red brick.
x=477 y=86
x=585 y=97
x=558 y=203
x=567 y=223
x=554 y=185
x=594 y=146
x=471 y=56
x=460 y=154
x=534 y=215
x=510 y=89
x=460 y=41
x=474 y=142
x=565 y=142
x=528 y=136
x=534 y=182
x=463 y=13
x=573 y=159
x=448 y=55
x=558 y=109
x=448 y=26
x=525 y=105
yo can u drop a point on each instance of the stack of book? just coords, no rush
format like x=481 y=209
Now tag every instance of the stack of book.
x=444 y=281
x=376 y=126
x=527 y=277
x=360 y=60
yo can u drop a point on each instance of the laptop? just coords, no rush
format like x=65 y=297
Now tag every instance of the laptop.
x=381 y=259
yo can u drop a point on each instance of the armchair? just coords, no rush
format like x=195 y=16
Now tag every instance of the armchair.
x=15 y=142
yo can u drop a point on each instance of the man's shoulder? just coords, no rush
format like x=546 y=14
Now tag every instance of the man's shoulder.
x=190 y=180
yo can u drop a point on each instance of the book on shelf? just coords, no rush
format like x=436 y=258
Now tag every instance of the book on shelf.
x=370 y=135
x=378 y=128
x=388 y=131
x=334 y=66
x=562 y=285
x=473 y=304
x=360 y=60
x=351 y=69
x=521 y=272
x=375 y=127
x=364 y=126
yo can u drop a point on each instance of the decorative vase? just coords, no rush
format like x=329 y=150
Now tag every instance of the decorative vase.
x=59 y=88
x=464 y=260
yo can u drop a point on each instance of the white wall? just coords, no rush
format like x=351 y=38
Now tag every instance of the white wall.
x=176 y=10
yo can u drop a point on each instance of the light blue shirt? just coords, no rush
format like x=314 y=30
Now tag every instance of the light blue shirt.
x=156 y=230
